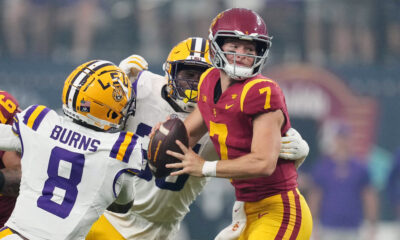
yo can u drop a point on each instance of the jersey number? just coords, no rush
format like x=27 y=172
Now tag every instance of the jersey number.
x=266 y=90
x=221 y=130
x=8 y=105
x=61 y=203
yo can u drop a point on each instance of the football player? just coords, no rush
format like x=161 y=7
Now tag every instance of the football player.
x=161 y=203
x=245 y=115
x=10 y=170
x=74 y=167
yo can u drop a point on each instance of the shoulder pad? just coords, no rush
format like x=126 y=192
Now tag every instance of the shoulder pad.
x=34 y=115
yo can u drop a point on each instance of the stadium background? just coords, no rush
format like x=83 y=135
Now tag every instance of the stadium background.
x=353 y=43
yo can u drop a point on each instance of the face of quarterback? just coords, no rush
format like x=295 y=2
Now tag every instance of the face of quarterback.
x=239 y=52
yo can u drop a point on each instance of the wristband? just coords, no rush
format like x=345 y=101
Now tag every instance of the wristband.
x=210 y=168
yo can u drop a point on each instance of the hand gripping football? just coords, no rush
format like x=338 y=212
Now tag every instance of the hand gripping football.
x=163 y=140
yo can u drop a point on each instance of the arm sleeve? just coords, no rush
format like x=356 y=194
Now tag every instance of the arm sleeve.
x=8 y=140
x=125 y=187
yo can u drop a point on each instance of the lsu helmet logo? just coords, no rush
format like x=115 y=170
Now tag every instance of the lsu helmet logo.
x=118 y=93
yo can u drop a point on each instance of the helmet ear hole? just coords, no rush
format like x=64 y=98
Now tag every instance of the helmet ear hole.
x=114 y=115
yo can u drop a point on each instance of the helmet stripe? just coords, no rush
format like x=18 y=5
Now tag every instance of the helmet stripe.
x=82 y=77
x=193 y=47
x=72 y=81
x=197 y=47
x=203 y=47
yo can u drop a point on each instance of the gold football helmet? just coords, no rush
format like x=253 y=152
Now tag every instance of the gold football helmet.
x=184 y=65
x=99 y=93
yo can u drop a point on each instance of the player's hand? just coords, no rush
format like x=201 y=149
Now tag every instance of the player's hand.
x=157 y=126
x=191 y=164
x=133 y=64
x=294 y=147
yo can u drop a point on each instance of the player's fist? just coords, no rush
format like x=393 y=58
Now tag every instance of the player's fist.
x=294 y=147
x=133 y=64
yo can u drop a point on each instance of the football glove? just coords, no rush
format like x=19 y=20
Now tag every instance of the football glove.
x=133 y=64
x=294 y=147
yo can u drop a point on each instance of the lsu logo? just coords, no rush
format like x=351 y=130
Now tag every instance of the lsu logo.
x=118 y=93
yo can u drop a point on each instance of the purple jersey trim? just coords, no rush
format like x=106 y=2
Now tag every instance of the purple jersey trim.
x=135 y=83
x=130 y=149
x=117 y=145
x=131 y=171
x=16 y=129
x=29 y=113
x=40 y=118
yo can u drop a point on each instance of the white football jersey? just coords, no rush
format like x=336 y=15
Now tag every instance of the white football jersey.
x=70 y=174
x=163 y=200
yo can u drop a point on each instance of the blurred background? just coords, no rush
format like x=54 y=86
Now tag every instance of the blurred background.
x=338 y=63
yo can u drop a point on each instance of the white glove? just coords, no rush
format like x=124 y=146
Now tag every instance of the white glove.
x=133 y=64
x=294 y=147
x=239 y=222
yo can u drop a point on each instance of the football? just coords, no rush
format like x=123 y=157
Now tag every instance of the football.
x=163 y=140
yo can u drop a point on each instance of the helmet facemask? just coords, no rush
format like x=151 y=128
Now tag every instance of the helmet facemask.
x=128 y=111
x=234 y=71
x=184 y=66
x=183 y=81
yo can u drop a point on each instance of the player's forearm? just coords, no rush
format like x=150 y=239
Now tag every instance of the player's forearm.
x=12 y=179
x=248 y=166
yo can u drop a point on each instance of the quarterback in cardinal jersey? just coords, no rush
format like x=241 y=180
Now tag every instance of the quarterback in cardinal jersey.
x=162 y=203
x=246 y=116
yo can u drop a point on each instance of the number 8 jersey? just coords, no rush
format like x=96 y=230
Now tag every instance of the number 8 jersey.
x=70 y=174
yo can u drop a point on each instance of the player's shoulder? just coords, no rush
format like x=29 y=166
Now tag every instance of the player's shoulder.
x=209 y=73
x=148 y=82
x=123 y=144
x=34 y=115
x=261 y=91
x=260 y=81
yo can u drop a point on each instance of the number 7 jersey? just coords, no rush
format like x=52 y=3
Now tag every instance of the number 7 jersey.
x=230 y=125
x=70 y=174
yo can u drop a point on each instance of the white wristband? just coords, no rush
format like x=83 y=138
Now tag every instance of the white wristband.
x=209 y=168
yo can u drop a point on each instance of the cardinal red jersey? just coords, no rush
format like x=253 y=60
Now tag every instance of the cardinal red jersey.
x=8 y=108
x=230 y=125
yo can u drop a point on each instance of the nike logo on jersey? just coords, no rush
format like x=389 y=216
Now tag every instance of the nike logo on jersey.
x=228 y=106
